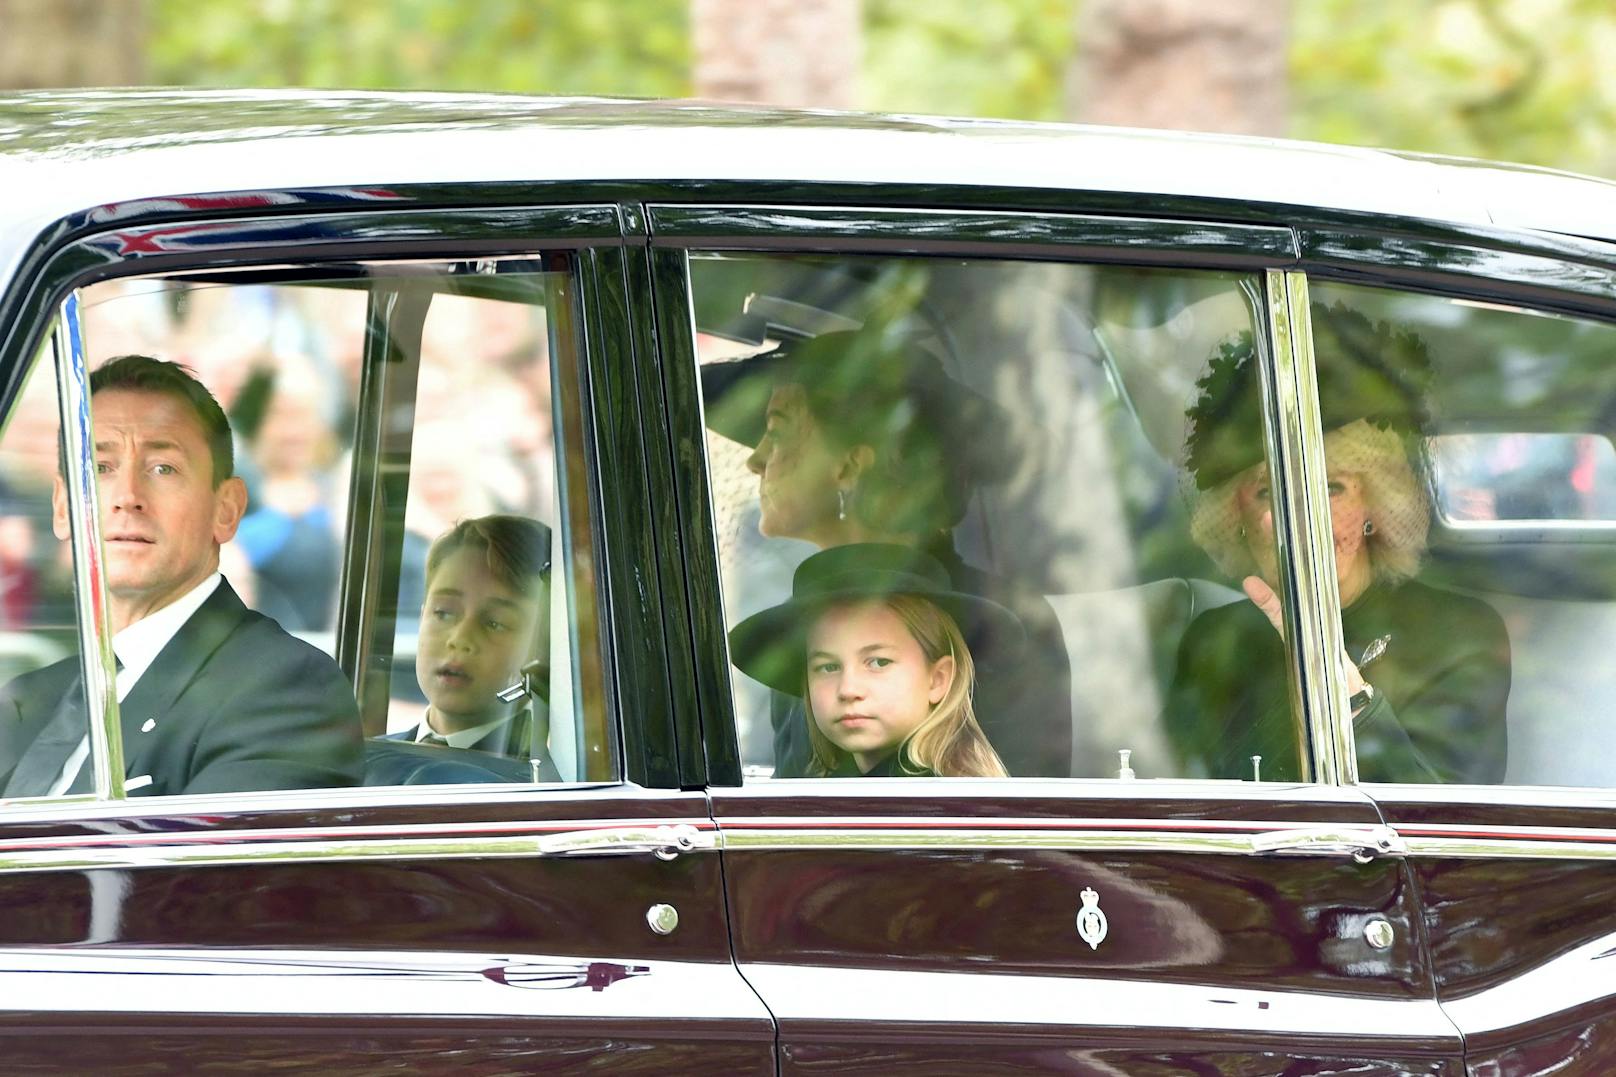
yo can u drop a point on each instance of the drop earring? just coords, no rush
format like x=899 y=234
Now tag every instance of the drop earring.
x=1368 y=528
x=841 y=505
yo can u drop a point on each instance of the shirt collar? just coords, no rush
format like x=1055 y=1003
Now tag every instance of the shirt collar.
x=462 y=738
x=139 y=644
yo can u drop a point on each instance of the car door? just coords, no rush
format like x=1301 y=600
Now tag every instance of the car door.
x=1514 y=867
x=386 y=373
x=1104 y=909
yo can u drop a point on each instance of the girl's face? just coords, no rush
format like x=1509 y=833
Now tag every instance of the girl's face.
x=869 y=683
x=796 y=470
x=476 y=634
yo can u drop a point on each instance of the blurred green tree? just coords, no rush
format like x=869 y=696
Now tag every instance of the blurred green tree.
x=1526 y=80
x=1522 y=80
x=637 y=48
x=967 y=58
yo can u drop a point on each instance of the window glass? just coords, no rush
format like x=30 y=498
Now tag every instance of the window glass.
x=986 y=517
x=381 y=470
x=37 y=620
x=1480 y=626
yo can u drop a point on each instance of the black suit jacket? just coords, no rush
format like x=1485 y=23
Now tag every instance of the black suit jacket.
x=232 y=703
x=501 y=755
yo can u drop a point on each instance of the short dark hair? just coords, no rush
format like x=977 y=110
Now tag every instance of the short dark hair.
x=145 y=374
x=516 y=549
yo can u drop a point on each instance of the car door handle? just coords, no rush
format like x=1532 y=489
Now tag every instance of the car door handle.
x=1362 y=843
x=664 y=842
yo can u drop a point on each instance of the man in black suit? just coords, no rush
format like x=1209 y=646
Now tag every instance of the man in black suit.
x=213 y=697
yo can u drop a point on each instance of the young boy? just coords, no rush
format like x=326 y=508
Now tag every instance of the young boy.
x=486 y=616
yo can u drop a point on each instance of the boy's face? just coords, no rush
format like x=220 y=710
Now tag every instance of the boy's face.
x=476 y=634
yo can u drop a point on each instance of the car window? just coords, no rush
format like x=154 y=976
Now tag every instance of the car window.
x=37 y=600
x=403 y=596
x=1488 y=605
x=991 y=517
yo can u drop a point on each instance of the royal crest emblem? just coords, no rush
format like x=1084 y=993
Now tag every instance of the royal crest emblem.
x=1091 y=922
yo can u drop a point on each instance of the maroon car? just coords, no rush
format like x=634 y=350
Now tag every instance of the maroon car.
x=1262 y=494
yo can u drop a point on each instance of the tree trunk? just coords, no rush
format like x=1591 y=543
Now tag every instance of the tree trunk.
x=777 y=52
x=61 y=43
x=1200 y=65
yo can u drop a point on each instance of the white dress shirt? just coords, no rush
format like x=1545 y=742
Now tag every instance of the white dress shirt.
x=461 y=738
x=137 y=647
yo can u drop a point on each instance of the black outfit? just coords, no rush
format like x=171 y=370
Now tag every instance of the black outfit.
x=890 y=766
x=1023 y=704
x=501 y=755
x=231 y=703
x=1441 y=686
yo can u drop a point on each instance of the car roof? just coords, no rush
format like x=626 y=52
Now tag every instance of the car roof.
x=67 y=152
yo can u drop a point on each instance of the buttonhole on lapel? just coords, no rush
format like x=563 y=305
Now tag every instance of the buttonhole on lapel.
x=148 y=725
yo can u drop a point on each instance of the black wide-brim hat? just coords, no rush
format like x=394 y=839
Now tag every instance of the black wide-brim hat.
x=1370 y=371
x=874 y=382
x=771 y=646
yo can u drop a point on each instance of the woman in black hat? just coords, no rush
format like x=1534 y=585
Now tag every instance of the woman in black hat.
x=1428 y=670
x=859 y=437
x=874 y=640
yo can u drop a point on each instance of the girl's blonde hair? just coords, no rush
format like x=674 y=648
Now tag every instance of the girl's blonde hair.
x=949 y=742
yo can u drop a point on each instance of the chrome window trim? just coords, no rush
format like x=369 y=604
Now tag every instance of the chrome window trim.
x=855 y=229
x=1498 y=848
x=1502 y=795
x=89 y=559
x=1144 y=836
x=662 y=838
x=1295 y=447
x=1070 y=792
x=345 y=797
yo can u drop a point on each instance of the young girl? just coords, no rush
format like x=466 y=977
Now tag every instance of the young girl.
x=871 y=639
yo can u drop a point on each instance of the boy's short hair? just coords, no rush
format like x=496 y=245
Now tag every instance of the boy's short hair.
x=516 y=549
x=145 y=374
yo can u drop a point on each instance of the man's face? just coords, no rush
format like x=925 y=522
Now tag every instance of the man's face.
x=162 y=520
x=476 y=635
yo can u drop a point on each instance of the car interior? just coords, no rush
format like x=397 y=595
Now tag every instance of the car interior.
x=373 y=405
x=1097 y=365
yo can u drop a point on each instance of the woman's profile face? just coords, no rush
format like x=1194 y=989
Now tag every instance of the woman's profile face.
x=796 y=470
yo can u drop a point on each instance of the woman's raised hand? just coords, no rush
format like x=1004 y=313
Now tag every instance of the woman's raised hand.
x=1266 y=600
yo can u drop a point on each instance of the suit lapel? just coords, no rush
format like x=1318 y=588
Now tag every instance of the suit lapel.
x=42 y=763
x=152 y=702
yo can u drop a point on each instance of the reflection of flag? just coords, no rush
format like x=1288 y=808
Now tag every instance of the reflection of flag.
x=1582 y=474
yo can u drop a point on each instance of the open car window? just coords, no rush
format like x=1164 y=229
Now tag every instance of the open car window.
x=406 y=592
x=1066 y=462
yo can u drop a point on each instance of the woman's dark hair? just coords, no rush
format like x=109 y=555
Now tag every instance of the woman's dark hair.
x=934 y=440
